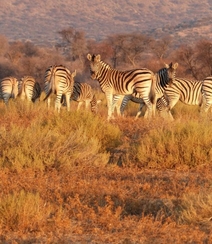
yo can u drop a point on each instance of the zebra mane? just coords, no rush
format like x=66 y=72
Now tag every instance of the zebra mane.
x=105 y=65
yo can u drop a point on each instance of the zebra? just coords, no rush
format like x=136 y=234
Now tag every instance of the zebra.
x=82 y=93
x=207 y=93
x=60 y=81
x=186 y=90
x=29 y=89
x=8 y=88
x=164 y=78
x=115 y=82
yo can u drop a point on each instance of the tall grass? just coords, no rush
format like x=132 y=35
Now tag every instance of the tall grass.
x=35 y=137
x=57 y=184
x=179 y=144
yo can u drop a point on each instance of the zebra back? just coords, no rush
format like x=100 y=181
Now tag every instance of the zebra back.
x=8 y=88
x=186 y=90
x=60 y=81
x=30 y=89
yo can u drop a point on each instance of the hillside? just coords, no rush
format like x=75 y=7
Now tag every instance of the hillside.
x=39 y=21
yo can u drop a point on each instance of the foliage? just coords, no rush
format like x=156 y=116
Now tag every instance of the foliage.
x=76 y=177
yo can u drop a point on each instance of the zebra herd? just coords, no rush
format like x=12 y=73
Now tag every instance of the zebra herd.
x=58 y=80
x=157 y=91
x=161 y=90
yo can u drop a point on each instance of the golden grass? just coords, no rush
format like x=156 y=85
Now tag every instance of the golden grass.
x=77 y=178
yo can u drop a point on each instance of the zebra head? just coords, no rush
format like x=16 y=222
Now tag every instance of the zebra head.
x=94 y=65
x=171 y=69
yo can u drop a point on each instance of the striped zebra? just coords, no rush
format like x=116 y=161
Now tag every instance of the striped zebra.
x=60 y=81
x=8 y=88
x=29 y=89
x=82 y=93
x=164 y=78
x=115 y=82
x=207 y=93
x=187 y=91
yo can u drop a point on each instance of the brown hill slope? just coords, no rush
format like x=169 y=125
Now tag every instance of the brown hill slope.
x=40 y=21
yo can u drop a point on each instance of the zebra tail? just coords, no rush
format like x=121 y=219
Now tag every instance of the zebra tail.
x=48 y=94
x=12 y=92
x=22 y=89
x=52 y=85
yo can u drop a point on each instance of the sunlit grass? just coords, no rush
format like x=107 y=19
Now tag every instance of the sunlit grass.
x=57 y=172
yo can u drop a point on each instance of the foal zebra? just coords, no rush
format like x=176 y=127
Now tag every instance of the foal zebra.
x=164 y=77
x=207 y=92
x=185 y=90
x=115 y=82
x=29 y=89
x=82 y=93
x=8 y=88
x=60 y=81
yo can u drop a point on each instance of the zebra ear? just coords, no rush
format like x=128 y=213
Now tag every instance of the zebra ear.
x=98 y=58
x=166 y=65
x=175 y=65
x=74 y=74
x=89 y=57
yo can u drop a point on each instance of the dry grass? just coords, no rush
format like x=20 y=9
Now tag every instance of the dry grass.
x=76 y=178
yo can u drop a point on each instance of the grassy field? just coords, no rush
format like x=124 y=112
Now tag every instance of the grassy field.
x=77 y=178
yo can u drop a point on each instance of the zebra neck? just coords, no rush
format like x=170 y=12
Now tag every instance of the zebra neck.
x=162 y=79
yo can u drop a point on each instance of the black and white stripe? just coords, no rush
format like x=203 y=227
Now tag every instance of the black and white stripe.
x=115 y=82
x=8 y=88
x=83 y=93
x=29 y=89
x=60 y=81
x=185 y=90
x=164 y=78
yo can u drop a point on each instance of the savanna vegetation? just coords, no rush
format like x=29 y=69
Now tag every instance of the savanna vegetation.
x=77 y=178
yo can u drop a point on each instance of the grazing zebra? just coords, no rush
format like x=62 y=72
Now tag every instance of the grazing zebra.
x=187 y=91
x=8 y=88
x=207 y=93
x=60 y=81
x=164 y=77
x=29 y=89
x=82 y=93
x=114 y=82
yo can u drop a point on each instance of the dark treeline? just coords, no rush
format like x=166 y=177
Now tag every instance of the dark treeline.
x=122 y=51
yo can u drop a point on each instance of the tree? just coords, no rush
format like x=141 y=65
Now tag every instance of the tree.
x=116 y=42
x=74 y=43
x=187 y=57
x=204 y=56
x=134 y=46
x=161 y=47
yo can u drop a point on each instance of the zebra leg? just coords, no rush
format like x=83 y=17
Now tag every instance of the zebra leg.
x=206 y=104
x=148 y=113
x=68 y=96
x=109 y=97
x=171 y=104
x=87 y=103
x=140 y=109
x=6 y=98
x=125 y=100
x=58 y=103
x=117 y=99
x=79 y=105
